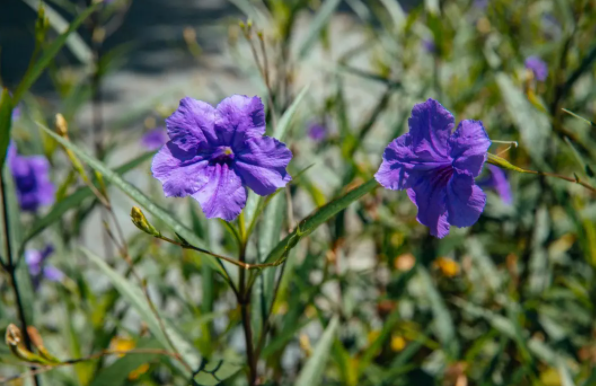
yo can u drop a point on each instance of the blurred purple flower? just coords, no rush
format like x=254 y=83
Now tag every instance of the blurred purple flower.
x=438 y=167
x=480 y=4
x=429 y=46
x=39 y=269
x=317 y=131
x=497 y=180
x=32 y=179
x=538 y=67
x=16 y=113
x=214 y=154
x=154 y=139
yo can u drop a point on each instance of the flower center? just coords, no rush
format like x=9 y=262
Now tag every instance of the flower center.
x=223 y=155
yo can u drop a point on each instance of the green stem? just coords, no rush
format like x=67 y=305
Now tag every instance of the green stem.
x=11 y=268
x=504 y=164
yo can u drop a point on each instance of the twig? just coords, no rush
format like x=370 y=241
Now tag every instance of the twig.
x=11 y=268
x=244 y=302
x=43 y=369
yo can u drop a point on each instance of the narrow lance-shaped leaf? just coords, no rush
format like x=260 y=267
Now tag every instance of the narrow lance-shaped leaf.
x=312 y=373
x=5 y=123
x=137 y=196
x=318 y=23
x=134 y=295
x=73 y=201
x=51 y=52
x=309 y=224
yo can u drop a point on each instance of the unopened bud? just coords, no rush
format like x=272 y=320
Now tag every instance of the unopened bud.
x=38 y=343
x=61 y=126
x=16 y=344
x=140 y=221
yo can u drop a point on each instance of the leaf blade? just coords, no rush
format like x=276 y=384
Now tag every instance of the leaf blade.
x=311 y=374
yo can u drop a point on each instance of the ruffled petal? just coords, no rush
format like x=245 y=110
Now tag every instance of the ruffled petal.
x=401 y=167
x=191 y=124
x=429 y=196
x=262 y=165
x=468 y=147
x=430 y=127
x=223 y=196
x=465 y=200
x=238 y=118
x=180 y=177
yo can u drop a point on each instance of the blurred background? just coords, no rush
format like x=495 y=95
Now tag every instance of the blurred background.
x=508 y=301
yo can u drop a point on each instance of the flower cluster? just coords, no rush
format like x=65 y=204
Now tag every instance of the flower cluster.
x=438 y=167
x=32 y=179
x=215 y=153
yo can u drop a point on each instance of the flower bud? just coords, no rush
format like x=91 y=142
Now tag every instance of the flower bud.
x=61 y=126
x=140 y=221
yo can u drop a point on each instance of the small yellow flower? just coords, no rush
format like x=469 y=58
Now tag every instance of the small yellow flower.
x=398 y=343
x=119 y=343
x=447 y=266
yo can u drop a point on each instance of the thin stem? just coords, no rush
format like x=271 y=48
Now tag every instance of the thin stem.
x=238 y=263
x=244 y=302
x=11 y=269
x=500 y=162
x=42 y=369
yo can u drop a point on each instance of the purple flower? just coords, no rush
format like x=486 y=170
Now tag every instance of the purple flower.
x=214 y=154
x=16 y=113
x=438 y=167
x=38 y=268
x=497 y=180
x=481 y=4
x=317 y=131
x=154 y=139
x=429 y=46
x=32 y=179
x=538 y=67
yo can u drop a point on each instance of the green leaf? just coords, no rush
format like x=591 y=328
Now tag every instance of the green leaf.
x=137 y=196
x=442 y=321
x=6 y=104
x=283 y=126
x=134 y=296
x=533 y=125
x=395 y=11
x=312 y=373
x=73 y=201
x=51 y=52
x=319 y=217
x=117 y=373
x=214 y=372
x=269 y=235
x=74 y=42
x=314 y=30
x=580 y=117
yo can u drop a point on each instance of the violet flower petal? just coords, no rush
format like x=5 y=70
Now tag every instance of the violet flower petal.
x=469 y=144
x=180 y=177
x=223 y=195
x=262 y=165
x=240 y=118
x=430 y=127
x=192 y=124
x=465 y=201
x=429 y=198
